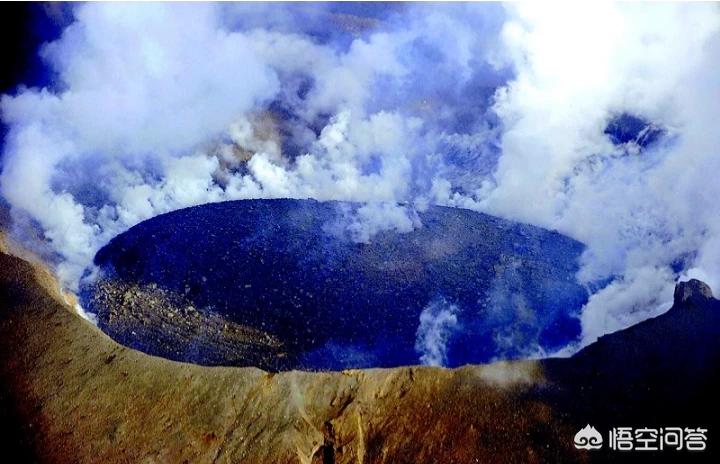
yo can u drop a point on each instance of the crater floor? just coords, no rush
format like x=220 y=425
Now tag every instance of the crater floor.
x=280 y=284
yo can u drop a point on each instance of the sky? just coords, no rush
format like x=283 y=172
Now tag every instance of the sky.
x=596 y=120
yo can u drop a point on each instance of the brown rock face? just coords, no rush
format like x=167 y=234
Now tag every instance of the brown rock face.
x=71 y=394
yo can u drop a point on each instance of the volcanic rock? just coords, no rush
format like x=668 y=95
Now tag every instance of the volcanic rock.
x=692 y=293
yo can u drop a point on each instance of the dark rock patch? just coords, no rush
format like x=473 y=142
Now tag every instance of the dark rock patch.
x=280 y=267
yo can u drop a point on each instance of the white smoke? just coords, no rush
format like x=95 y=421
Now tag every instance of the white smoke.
x=578 y=65
x=135 y=87
x=438 y=321
x=157 y=107
x=364 y=222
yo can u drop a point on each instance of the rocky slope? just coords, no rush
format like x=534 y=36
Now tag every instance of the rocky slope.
x=157 y=320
